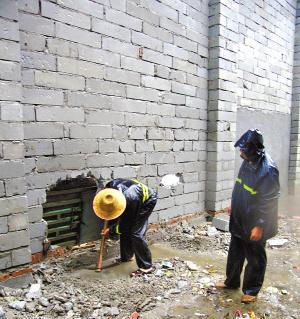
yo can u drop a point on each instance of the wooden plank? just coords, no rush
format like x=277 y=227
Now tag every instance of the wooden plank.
x=62 y=228
x=71 y=190
x=73 y=210
x=62 y=203
x=59 y=237
x=63 y=220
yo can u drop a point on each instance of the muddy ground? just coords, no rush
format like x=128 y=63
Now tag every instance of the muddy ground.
x=189 y=258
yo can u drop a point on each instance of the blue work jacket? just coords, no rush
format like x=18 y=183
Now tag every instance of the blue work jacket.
x=255 y=199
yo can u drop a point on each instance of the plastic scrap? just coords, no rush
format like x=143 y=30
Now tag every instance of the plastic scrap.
x=166 y=264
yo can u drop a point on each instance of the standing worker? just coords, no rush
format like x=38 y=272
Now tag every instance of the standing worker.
x=253 y=219
x=137 y=201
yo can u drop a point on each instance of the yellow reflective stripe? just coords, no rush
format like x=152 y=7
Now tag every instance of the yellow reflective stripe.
x=118 y=229
x=146 y=192
x=246 y=187
x=144 y=189
x=249 y=189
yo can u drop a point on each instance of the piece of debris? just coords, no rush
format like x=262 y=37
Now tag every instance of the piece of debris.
x=272 y=290
x=212 y=231
x=2 y=312
x=34 y=291
x=68 y=306
x=206 y=282
x=134 y=315
x=191 y=266
x=221 y=222
x=44 y=302
x=170 y=180
x=181 y=284
x=166 y=264
x=158 y=273
x=277 y=242
x=30 y=307
x=18 y=305
x=84 y=246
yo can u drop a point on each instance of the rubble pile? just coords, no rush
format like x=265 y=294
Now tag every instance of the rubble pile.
x=57 y=293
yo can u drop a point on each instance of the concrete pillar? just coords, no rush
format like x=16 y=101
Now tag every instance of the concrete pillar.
x=222 y=68
x=14 y=233
x=294 y=165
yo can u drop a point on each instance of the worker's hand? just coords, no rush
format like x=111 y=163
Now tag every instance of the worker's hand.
x=256 y=233
x=105 y=231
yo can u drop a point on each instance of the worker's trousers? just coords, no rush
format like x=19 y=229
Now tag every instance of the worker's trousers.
x=255 y=254
x=132 y=238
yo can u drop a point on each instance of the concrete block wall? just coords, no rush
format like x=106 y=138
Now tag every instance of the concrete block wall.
x=265 y=72
x=117 y=89
x=14 y=225
x=138 y=88
x=294 y=171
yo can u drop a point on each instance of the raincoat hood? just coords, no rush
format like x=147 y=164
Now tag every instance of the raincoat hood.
x=251 y=143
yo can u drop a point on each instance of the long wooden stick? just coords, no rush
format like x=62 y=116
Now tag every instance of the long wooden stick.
x=102 y=245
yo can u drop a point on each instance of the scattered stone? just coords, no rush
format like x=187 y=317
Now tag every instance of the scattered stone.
x=277 y=242
x=58 y=309
x=145 y=303
x=206 y=282
x=44 y=302
x=159 y=273
x=2 y=292
x=18 y=305
x=272 y=290
x=30 y=307
x=34 y=291
x=175 y=291
x=60 y=298
x=68 y=306
x=212 y=231
x=221 y=222
x=181 y=284
x=167 y=264
x=191 y=266
x=2 y=312
x=114 y=311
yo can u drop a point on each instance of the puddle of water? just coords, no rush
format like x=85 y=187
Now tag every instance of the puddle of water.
x=217 y=306
x=159 y=251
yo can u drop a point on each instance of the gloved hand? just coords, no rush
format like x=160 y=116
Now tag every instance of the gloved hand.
x=256 y=233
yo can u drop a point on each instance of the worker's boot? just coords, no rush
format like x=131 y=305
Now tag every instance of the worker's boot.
x=220 y=285
x=248 y=299
x=120 y=260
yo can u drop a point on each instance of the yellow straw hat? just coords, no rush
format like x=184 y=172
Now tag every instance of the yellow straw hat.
x=109 y=204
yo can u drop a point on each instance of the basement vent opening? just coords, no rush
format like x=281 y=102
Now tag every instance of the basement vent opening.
x=69 y=214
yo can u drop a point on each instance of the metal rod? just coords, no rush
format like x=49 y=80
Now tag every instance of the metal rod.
x=102 y=245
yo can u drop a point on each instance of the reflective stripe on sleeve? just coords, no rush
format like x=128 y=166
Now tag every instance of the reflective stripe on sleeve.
x=144 y=189
x=246 y=187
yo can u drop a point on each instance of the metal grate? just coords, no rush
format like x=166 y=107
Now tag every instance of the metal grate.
x=63 y=213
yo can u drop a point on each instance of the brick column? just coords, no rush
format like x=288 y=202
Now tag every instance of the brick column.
x=223 y=38
x=294 y=165
x=14 y=234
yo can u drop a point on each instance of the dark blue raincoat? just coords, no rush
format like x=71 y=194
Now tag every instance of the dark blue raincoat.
x=140 y=202
x=256 y=192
